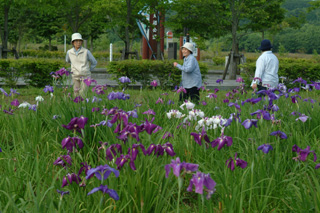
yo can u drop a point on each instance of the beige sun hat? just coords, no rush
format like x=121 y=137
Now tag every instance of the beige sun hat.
x=76 y=36
x=188 y=46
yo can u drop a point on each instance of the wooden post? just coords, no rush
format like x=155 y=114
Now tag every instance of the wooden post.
x=181 y=44
x=226 y=68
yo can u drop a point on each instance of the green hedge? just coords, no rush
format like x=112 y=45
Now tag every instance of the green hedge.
x=62 y=55
x=144 y=71
x=308 y=69
x=36 y=72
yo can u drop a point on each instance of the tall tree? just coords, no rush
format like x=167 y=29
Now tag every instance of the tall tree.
x=4 y=30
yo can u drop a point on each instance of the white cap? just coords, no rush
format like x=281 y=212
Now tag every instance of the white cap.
x=76 y=36
x=189 y=46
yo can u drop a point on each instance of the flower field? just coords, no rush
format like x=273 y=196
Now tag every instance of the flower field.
x=143 y=151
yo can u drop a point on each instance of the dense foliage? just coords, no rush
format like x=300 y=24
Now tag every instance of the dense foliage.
x=53 y=149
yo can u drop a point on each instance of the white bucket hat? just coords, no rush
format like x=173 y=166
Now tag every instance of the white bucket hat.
x=76 y=36
x=189 y=46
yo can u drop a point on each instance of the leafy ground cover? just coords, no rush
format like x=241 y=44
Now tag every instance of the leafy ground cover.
x=143 y=151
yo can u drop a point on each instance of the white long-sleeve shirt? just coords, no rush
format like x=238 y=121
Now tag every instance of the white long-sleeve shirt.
x=267 y=67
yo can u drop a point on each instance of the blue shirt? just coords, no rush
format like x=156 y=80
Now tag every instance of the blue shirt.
x=267 y=67
x=92 y=60
x=191 y=75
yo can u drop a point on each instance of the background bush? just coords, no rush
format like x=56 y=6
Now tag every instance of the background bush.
x=308 y=69
x=36 y=72
x=144 y=71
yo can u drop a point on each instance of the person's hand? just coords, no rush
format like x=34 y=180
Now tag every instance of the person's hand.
x=175 y=64
x=254 y=87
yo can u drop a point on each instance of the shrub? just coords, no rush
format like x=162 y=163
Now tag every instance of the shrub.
x=144 y=71
x=290 y=68
x=34 y=71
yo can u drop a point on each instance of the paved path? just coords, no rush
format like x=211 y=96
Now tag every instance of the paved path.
x=102 y=77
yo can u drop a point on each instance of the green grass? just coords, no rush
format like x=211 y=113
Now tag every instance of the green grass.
x=31 y=142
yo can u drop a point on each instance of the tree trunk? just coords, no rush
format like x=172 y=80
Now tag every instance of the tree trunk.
x=5 y=33
x=127 y=41
x=91 y=43
x=262 y=33
x=235 y=48
x=158 y=36
x=50 y=48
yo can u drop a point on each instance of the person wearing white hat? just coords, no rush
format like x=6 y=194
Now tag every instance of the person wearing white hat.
x=191 y=75
x=82 y=63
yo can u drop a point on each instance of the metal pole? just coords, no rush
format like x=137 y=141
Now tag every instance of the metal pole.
x=65 y=43
x=111 y=52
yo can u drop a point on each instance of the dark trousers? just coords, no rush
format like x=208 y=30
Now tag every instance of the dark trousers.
x=193 y=93
x=261 y=88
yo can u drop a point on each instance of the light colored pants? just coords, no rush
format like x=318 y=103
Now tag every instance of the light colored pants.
x=79 y=87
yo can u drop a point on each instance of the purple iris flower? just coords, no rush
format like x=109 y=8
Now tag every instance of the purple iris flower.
x=0 y=150
x=102 y=172
x=111 y=151
x=294 y=98
x=3 y=92
x=78 y=99
x=181 y=89
x=237 y=106
x=239 y=162
x=212 y=95
x=249 y=122
x=198 y=137
x=154 y=83
x=219 y=81
x=167 y=135
x=133 y=113
x=84 y=167
x=33 y=107
x=302 y=118
x=134 y=151
x=76 y=123
x=309 y=99
x=240 y=80
x=177 y=166
x=70 y=142
x=88 y=81
x=124 y=79
x=226 y=100
x=99 y=89
x=150 y=127
x=221 y=141
x=63 y=160
x=105 y=190
x=280 y=134
x=317 y=166
x=72 y=178
x=303 y=153
x=300 y=80
x=157 y=149
x=48 y=88
x=203 y=103
x=274 y=108
x=199 y=180
x=62 y=192
x=169 y=149
x=266 y=148
x=159 y=101
x=252 y=100
x=15 y=103
x=170 y=102
x=120 y=161
x=149 y=112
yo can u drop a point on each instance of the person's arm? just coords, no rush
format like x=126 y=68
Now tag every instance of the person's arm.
x=92 y=60
x=67 y=57
x=188 y=65
x=258 y=73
